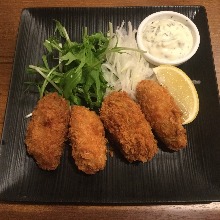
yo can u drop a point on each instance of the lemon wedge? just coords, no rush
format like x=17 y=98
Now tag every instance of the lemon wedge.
x=181 y=88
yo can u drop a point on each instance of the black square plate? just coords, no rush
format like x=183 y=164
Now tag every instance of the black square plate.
x=190 y=175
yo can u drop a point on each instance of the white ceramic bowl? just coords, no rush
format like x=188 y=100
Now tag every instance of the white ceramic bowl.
x=168 y=15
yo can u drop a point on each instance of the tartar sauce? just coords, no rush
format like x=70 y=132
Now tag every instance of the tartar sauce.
x=167 y=39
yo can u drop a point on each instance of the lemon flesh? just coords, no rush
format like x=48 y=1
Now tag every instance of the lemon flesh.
x=181 y=88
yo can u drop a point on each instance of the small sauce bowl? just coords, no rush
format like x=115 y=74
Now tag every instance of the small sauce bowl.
x=181 y=21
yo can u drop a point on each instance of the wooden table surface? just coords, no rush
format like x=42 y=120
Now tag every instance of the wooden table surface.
x=10 y=11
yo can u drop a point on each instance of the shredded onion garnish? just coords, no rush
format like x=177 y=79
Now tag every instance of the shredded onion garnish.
x=123 y=70
x=28 y=116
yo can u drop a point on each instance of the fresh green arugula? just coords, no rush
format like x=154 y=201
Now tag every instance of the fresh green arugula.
x=74 y=69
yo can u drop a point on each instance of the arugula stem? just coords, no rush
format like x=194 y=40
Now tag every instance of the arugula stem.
x=45 y=77
x=46 y=82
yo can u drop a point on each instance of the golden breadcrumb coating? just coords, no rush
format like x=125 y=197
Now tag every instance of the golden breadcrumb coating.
x=87 y=136
x=47 y=131
x=123 y=118
x=163 y=113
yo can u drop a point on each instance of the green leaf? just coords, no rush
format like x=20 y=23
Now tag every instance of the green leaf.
x=53 y=43
x=48 y=46
x=86 y=88
x=71 y=81
x=95 y=76
x=61 y=29
x=74 y=99
x=44 y=58
x=69 y=57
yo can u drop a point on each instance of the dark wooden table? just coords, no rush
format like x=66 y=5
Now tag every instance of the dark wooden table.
x=10 y=11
